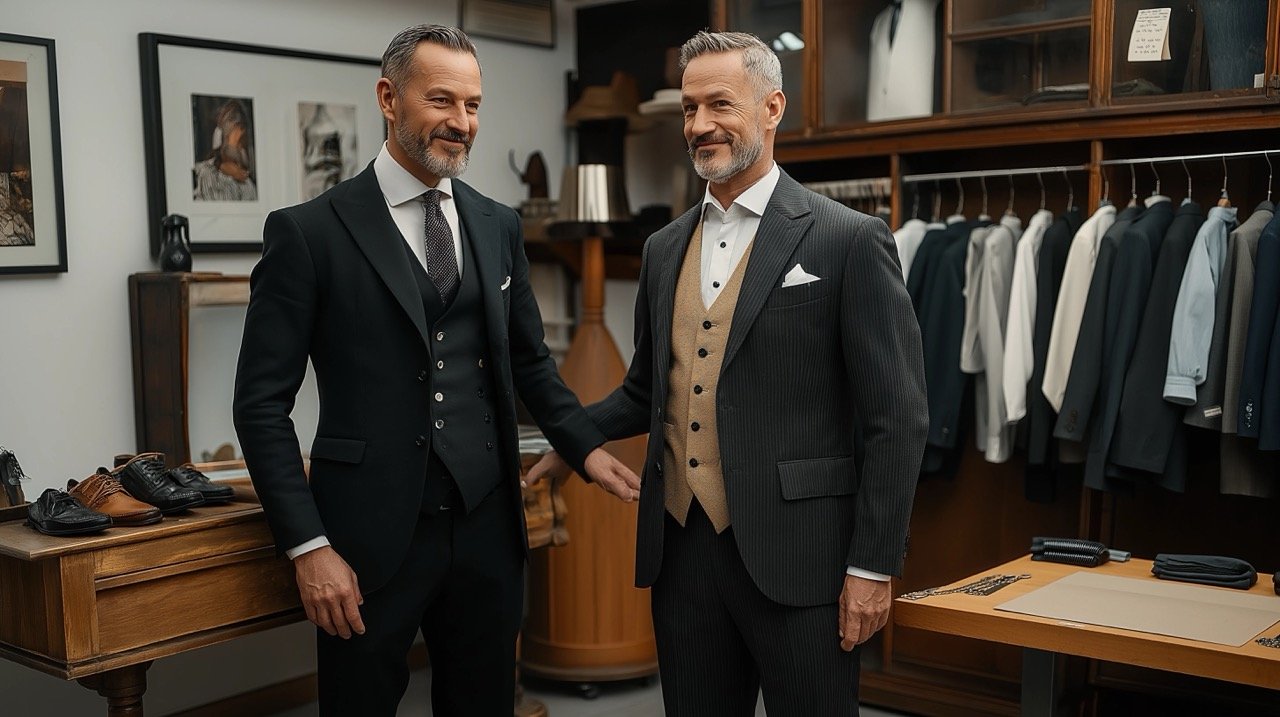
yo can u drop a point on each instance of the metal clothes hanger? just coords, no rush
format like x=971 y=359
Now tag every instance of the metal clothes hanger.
x=1156 y=191
x=1133 y=187
x=1188 y=173
x=1106 y=190
x=959 y=213
x=1267 y=156
x=1040 y=179
x=1071 y=191
x=984 y=217
x=937 y=202
x=1008 y=212
x=1224 y=200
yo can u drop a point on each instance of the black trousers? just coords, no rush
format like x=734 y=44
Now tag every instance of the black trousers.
x=462 y=585
x=721 y=641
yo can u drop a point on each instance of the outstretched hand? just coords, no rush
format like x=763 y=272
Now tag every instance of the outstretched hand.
x=602 y=468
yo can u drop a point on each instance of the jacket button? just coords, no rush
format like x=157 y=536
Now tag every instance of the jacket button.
x=481 y=363
x=693 y=462
x=440 y=365
x=420 y=441
x=697 y=389
x=488 y=418
x=439 y=397
x=439 y=336
x=702 y=353
x=657 y=467
x=439 y=423
x=422 y=375
x=706 y=324
x=695 y=426
x=488 y=445
x=659 y=413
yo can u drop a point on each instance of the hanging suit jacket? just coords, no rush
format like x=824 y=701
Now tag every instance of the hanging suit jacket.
x=1264 y=310
x=941 y=324
x=1148 y=427
x=1193 y=314
x=900 y=66
x=1100 y=389
x=1084 y=372
x=1041 y=448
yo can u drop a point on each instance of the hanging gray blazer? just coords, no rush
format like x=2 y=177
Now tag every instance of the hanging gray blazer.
x=820 y=407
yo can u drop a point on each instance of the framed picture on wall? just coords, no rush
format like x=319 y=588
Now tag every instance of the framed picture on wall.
x=531 y=22
x=33 y=237
x=235 y=131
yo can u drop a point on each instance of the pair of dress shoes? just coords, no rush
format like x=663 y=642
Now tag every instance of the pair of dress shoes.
x=171 y=490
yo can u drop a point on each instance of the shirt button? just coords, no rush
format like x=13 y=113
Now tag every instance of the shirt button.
x=439 y=423
x=693 y=462
x=706 y=324
x=420 y=441
x=702 y=353
x=439 y=396
x=481 y=363
x=697 y=389
x=439 y=336
x=440 y=365
x=715 y=284
x=695 y=426
x=723 y=245
x=422 y=375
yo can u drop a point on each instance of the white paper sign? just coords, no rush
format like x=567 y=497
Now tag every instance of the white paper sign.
x=1149 y=41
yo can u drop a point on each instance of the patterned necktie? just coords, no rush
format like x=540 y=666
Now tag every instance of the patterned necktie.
x=442 y=262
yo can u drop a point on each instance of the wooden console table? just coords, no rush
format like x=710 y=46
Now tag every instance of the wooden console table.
x=1045 y=641
x=99 y=609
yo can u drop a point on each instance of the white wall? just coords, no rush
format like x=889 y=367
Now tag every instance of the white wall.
x=66 y=385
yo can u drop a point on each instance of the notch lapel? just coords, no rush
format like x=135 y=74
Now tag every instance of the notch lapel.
x=363 y=209
x=786 y=220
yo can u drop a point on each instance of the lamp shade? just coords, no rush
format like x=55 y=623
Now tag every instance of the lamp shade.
x=593 y=202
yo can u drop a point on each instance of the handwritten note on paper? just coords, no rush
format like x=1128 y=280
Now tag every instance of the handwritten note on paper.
x=1149 y=41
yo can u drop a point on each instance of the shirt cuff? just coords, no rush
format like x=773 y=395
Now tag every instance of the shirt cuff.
x=867 y=574
x=313 y=544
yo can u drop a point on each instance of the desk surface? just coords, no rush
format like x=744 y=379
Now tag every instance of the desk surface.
x=976 y=617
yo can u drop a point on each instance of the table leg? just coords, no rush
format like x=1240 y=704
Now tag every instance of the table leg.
x=122 y=687
x=1041 y=683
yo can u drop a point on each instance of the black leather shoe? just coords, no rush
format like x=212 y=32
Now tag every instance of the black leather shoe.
x=56 y=512
x=145 y=478
x=11 y=477
x=187 y=476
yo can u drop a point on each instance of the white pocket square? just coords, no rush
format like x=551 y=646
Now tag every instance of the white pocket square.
x=798 y=277
x=505 y=284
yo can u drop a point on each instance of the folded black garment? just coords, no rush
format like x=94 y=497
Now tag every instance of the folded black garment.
x=1205 y=570
x=1071 y=551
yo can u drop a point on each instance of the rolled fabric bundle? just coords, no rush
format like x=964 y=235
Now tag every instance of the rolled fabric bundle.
x=1205 y=570
x=1071 y=551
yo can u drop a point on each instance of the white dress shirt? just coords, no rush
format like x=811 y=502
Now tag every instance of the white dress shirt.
x=1018 y=354
x=908 y=239
x=900 y=69
x=995 y=433
x=726 y=233
x=403 y=194
x=1077 y=275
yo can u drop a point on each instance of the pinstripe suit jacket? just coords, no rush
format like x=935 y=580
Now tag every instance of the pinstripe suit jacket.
x=820 y=408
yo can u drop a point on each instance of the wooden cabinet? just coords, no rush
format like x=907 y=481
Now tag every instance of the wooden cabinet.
x=990 y=57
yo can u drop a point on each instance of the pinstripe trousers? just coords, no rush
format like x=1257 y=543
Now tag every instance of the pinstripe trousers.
x=721 y=641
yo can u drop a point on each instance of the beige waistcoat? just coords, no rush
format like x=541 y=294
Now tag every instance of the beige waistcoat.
x=692 y=455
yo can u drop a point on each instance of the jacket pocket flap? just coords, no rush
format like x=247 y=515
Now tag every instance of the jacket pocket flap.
x=341 y=450
x=818 y=477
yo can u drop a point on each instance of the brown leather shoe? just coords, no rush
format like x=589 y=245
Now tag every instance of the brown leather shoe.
x=103 y=493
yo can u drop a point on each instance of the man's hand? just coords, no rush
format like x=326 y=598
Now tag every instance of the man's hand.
x=551 y=465
x=864 y=609
x=329 y=592
x=603 y=469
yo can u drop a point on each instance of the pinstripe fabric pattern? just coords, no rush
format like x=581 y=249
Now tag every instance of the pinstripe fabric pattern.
x=821 y=405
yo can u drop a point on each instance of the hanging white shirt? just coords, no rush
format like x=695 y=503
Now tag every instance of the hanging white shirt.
x=1019 y=358
x=1077 y=275
x=908 y=239
x=900 y=69
x=727 y=232
x=995 y=433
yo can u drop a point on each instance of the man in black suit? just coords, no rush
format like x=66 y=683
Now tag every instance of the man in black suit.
x=409 y=292
x=779 y=376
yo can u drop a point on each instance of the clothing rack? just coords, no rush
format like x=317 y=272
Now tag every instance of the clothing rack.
x=846 y=189
x=1190 y=157
x=973 y=174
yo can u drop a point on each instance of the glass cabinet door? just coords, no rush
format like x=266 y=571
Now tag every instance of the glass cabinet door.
x=880 y=60
x=1162 y=47
x=1009 y=53
x=780 y=23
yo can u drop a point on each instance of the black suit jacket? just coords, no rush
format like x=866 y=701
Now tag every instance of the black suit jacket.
x=941 y=316
x=820 y=406
x=334 y=285
x=1148 y=427
x=1262 y=346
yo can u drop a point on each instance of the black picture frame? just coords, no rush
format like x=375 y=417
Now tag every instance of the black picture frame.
x=178 y=72
x=36 y=140
x=526 y=22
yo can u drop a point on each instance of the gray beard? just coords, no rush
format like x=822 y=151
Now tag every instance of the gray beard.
x=420 y=150
x=741 y=156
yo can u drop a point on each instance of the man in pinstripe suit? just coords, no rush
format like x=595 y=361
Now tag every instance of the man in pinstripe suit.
x=778 y=373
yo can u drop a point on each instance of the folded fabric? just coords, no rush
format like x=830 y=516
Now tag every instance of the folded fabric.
x=1071 y=551
x=1205 y=570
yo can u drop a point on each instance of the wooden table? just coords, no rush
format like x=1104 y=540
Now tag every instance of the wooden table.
x=1046 y=640
x=99 y=609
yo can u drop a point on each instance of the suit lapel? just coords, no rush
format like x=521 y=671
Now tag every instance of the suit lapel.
x=482 y=234
x=671 y=246
x=786 y=220
x=363 y=209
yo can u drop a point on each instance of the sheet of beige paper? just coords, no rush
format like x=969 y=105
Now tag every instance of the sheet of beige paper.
x=1219 y=615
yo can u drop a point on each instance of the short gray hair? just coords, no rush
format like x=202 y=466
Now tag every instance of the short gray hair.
x=397 y=61
x=758 y=60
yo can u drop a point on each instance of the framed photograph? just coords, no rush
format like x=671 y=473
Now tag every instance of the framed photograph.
x=33 y=237
x=531 y=22
x=235 y=131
